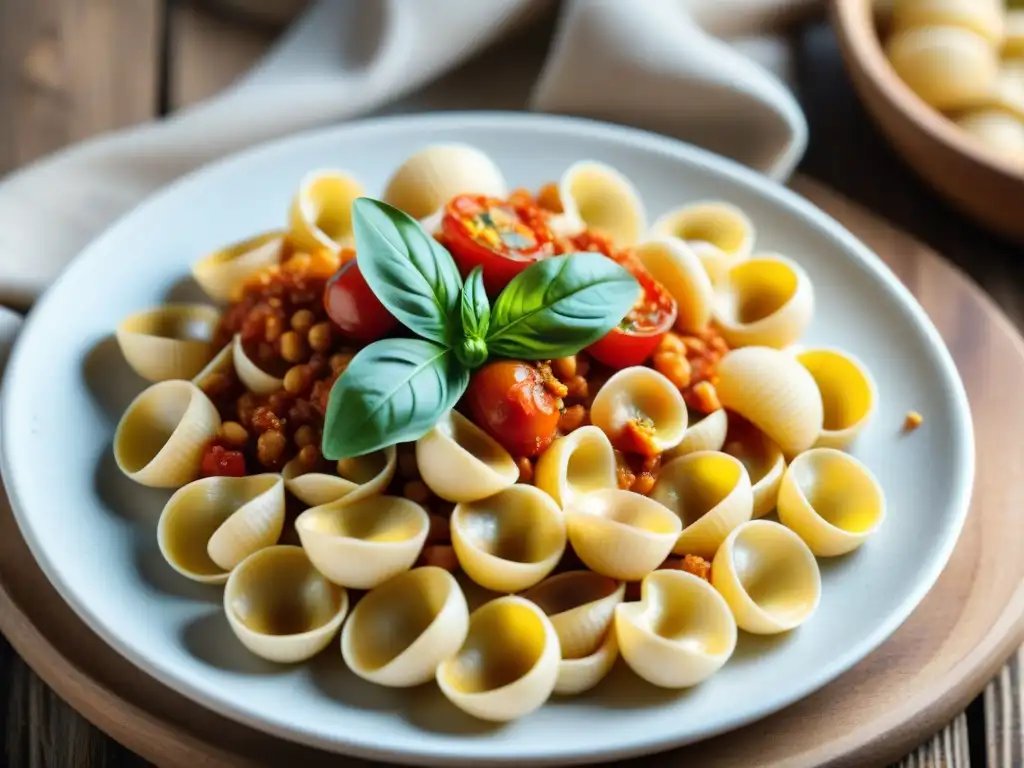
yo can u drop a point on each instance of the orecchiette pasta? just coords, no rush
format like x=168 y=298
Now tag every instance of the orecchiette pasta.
x=320 y=215
x=362 y=544
x=711 y=494
x=719 y=233
x=581 y=606
x=621 y=534
x=679 y=634
x=831 y=500
x=401 y=630
x=773 y=391
x=640 y=410
x=509 y=541
x=162 y=435
x=768 y=577
x=461 y=462
x=434 y=175
x=765 y=301
x=212 y=524
x=581 y=462
x=169 y=342
x=508 y=665
x=500 y=541
x=847 y=394
x=353 y=479
x=596 y=196
x=280 y=607
x=673 y=264
x=222 y=273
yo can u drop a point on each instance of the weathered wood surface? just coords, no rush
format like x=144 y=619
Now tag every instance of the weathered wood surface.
x=73 y=68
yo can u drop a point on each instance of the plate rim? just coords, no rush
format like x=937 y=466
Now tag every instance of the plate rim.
x=467 y=752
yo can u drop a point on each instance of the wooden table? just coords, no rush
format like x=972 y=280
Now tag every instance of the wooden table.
x=73 y=68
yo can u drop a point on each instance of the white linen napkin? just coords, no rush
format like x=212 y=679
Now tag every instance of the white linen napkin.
x=657 y=64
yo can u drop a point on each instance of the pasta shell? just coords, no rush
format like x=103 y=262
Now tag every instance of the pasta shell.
x=950 y=68
x=212 y=524
x=400 y=631
x=621 y=534
x=847 y=394
x=223 y=363
x=674 y=264
x=1011 y=86
x=766 y=301
x=710 y=493
x=1013 y=44
x=222 y=273
x=460 y=462
x=254 y=378
x=774 y=392
x=280 y=607
x=985 y=17
x=321 y=211
x=578 y=463
x=719 y=233
x=508 y=665
x=598 y=197
x=361 y=544
x=768 y=577
x=172 y=341
x=640 y=410
x=765 y=465
x=353 y=479
x=581 y=605
x=161 y=437
x=831 y=500
x=426 y=181
x=577 y=676
x=509 y=541
x=706 y=434
x=679 y=634
x=1001 y=131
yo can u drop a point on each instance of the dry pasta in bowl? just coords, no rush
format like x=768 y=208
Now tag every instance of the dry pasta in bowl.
x=591 y=417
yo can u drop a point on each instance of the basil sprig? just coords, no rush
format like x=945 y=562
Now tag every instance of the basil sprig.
x=395 y=390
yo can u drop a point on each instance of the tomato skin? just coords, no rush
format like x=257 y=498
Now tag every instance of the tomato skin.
x=353 y=306
x=218 y=461
x=508 y=400
x=656 y=309
x=501 y=262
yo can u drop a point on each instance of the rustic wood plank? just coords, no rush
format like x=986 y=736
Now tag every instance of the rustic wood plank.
x=1004 y=722
x=949 y=748
x=73 y=68
x=209 y=51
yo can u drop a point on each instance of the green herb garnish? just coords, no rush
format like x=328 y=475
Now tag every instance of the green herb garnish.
x=395 y=390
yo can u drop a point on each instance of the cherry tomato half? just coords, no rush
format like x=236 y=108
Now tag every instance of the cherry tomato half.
x=353 y=307
x=504 y=237
x=635 y=338
x=508 y=400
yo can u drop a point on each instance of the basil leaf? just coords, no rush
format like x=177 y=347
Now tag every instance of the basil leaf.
x=393 y=391
x=407 y=269
x=560 y=305
x=476 y=309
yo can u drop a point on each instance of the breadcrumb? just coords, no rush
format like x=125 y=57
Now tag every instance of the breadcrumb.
x=912 y=421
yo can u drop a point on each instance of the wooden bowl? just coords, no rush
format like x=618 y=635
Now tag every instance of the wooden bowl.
x=972 y=177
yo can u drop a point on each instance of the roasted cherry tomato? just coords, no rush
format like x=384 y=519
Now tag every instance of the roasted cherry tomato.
x=638 y=334
x=509 y=400
x=502 y=236
x=353 y=306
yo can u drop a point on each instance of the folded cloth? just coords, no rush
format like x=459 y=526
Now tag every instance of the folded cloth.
x=657 y=64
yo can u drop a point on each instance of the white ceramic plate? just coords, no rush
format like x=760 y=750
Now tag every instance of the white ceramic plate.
x=93 y=531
